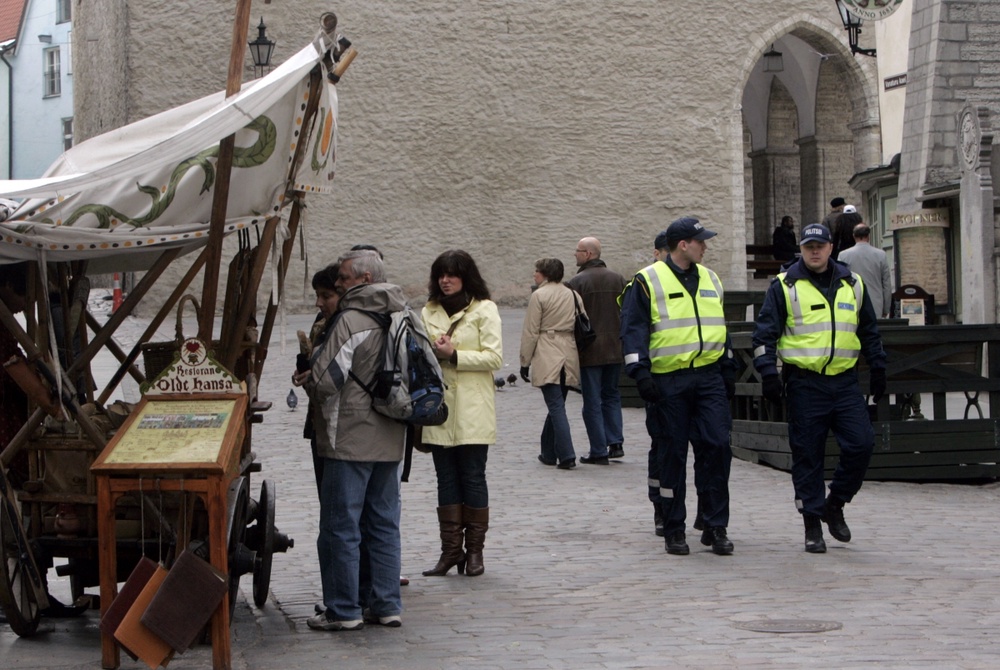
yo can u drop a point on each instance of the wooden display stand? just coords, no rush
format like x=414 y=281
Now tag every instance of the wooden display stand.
x=178 y=442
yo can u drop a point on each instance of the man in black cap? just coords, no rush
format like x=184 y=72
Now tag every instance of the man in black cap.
x=677 y=350
x=817 y=317
x=836 y=209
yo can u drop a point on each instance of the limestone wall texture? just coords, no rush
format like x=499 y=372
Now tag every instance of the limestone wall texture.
x=510 y=129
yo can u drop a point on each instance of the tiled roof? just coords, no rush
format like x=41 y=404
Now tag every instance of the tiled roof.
x=10 y=18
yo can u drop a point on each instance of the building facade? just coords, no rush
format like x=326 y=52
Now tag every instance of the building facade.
x=512 y=134
x=36 y=85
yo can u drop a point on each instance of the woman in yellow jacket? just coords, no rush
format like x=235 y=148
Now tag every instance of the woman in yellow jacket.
x=464 y=327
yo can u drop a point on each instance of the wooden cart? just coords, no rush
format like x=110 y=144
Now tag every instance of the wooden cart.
x=285 y=151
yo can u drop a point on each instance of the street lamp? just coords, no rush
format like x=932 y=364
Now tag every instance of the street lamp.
x=261 y=49
x=773 y=61
x=852 y=24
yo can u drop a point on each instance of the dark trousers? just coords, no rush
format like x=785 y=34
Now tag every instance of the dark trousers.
x=817 y=404
x=461 y=475
x=695 y=405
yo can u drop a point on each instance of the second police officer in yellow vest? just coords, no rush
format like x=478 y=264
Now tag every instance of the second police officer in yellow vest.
x=676 y=348
x=817 y=317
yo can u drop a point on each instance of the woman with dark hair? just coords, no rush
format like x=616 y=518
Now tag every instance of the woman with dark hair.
x=464 y=327
x=327 y=300
x=548 y=352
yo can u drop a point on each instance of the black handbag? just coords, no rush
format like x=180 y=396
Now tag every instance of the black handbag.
x=582 y=330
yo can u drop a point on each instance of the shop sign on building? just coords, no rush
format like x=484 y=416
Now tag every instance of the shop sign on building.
x=924 y=218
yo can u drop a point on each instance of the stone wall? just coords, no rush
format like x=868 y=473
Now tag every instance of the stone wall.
x=507 y=129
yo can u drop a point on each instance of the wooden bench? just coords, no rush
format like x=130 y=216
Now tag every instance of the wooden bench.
x=935 y=360
x=760 y=259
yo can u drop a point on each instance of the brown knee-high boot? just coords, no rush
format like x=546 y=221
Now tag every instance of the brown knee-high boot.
x=450 y=520
x=477 y=522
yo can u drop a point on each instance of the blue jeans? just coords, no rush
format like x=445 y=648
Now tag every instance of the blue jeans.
x=557 y=443
x=359 y=497
x=602 y=406
x=461 y=475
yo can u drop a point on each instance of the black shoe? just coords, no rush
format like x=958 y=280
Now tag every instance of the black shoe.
x=815 y=544
x=545 y=461
x=677 y=545
x=658 y=520
x=615 y=450
x=594 y=460
x=58 y=610
x=715 y=537
x=833 y=516
x=814 y=535
x=568 y=464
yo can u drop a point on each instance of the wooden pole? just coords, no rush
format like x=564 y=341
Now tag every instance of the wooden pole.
x=223 y=170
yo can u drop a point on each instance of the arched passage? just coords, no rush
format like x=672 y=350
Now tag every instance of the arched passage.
x=808 y=128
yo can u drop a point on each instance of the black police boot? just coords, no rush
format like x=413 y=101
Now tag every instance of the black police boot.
x=833 y=515
x=814 y=534
x=715 y=536
x=657 y=519
x=677 y=545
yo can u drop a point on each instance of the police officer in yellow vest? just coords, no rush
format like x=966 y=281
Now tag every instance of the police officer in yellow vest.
x=817 y=317
x=677 y=349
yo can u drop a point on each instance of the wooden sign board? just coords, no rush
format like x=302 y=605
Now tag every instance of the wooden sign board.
x=177 y=433
x=193 y=370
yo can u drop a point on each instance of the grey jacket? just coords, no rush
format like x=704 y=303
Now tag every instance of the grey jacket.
x=873 y=266
x=347 y=428
x=600 y=288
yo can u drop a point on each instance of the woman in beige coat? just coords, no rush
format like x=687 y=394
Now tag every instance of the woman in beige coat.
x=464 y=327
x=548 y=349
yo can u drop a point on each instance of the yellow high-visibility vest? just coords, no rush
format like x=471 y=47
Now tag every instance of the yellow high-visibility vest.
x=685 y=331
x=813 y=338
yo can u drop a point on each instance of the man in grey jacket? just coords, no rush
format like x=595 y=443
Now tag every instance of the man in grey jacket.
x=601 y=362
x=361 y=452
x=873 y=266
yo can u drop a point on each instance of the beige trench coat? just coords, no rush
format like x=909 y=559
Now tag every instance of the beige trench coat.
x=547 y=342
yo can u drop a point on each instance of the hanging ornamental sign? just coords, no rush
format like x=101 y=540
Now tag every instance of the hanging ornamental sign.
x=194 y=370
x=872 y=10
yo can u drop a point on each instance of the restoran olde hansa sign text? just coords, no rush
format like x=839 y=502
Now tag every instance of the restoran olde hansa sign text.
x=193 y=371
x=872 y=10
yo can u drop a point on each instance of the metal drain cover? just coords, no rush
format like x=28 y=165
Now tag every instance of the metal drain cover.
x=790 y=626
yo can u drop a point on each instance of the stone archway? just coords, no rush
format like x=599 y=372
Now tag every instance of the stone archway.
x=807 y=129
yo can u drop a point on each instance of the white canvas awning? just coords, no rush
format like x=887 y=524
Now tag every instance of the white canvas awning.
x=127 y=195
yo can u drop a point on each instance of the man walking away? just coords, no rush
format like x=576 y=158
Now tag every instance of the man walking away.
x=601 y=362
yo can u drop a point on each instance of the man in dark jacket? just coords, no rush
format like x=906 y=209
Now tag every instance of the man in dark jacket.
x=601 y=362
x=817 y=318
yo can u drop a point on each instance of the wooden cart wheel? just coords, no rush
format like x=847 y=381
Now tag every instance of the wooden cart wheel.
x=18 y=576
x=265 y=528
x=238 y=503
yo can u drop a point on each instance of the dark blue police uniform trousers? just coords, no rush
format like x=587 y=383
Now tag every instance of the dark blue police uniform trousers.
x=658 y=428
x=816 y=404
x=694 y=402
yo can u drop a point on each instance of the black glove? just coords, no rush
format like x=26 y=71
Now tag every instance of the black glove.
x=301 y=362
x=772 y=388
x=876 y=384
x=647 y=390
x=524 y=374
x=730 y=383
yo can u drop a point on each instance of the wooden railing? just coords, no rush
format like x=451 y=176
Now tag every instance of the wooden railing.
x=958 y=442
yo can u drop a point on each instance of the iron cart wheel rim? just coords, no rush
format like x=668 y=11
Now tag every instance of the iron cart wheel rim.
x=18 y=578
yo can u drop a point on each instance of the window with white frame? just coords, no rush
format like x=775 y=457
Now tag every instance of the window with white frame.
x=64 y=10
x=53 y=84
x=67 y=126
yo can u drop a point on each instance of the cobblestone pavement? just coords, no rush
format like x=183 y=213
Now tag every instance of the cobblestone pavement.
x=575 y=577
